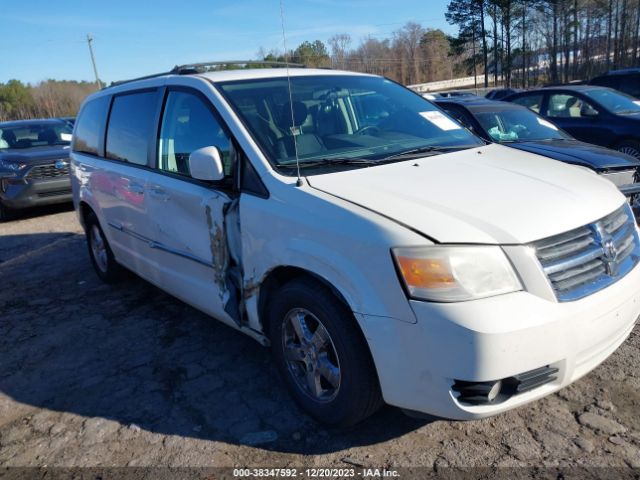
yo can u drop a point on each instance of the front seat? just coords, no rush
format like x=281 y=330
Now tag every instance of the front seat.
x=306 y=143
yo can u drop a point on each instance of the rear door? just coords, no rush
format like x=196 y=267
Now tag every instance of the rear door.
x=188 y=216
x=120 y=185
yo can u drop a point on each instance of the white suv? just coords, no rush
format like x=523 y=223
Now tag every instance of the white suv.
x=407 y=262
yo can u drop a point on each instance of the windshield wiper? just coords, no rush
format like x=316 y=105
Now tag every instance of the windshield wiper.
x=330 y=161
x=428 y=149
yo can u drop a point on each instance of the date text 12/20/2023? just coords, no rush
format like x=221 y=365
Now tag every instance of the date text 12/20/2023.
x=315 y=473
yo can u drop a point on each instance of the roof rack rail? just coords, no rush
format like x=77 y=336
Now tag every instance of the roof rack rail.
x=191 y=68
x=121 y=82
x=202 y=67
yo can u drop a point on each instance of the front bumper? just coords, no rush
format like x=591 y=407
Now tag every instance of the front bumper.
x=23 y=193
x=496 y=338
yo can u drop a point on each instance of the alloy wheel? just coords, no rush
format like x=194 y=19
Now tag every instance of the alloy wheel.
x=99 y=249
x=310 y=355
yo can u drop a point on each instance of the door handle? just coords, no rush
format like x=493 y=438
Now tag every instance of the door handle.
x=159 y=194
x=135 y=188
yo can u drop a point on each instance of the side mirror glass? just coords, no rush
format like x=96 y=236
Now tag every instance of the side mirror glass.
x=206 y=164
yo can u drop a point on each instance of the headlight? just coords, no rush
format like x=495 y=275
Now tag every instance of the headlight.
x=455 y=273
x=11 y=165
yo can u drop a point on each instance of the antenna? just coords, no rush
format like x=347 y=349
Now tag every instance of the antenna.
x=293 y=118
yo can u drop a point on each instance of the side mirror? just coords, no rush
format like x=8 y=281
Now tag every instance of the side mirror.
x=206 y=164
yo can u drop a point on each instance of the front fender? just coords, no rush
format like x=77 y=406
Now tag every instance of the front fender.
x=352 y=254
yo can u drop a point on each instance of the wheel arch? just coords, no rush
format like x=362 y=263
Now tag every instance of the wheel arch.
x=84 y=210
x=282 y=274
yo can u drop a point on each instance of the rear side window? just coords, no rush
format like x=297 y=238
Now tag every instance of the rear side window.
x=90 y=125
x=130 y=127
x=533 y=102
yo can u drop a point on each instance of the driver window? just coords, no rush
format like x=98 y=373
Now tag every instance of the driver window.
x=569 y=106
x=187 y=125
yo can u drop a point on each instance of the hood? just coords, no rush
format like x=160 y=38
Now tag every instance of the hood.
x=579 y=153
x=490 y=195
x=34 y=156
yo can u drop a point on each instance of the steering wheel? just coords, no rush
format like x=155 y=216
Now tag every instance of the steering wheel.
x=366 y=128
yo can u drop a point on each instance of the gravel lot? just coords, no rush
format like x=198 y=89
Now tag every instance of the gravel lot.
x=94 y=375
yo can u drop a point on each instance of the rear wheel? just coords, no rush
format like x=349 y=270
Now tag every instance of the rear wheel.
x=100 y=252
x=630 y=147
x=322 y=355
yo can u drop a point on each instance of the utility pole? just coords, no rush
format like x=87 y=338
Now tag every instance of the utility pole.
x=93 y=60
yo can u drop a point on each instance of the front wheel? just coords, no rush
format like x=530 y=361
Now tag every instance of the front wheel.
x=100 y=252
x=322 y=354
x=630 y=147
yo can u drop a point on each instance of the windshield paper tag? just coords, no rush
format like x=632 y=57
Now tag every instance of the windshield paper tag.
x=440 y=121
x=544 y=123
x=65 y=137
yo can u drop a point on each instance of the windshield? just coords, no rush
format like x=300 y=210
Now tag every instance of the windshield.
x=517 y=125
x=341 y=118
x=29 y=135
x=615 y=102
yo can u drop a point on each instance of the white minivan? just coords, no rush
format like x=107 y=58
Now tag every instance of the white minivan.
x=384 y=252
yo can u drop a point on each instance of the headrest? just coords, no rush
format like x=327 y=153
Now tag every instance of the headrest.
x=48 y=136
x=9 y=136
x=300 y=112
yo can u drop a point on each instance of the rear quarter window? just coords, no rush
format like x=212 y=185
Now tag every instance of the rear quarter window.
x=130 y=128
x=90 y=125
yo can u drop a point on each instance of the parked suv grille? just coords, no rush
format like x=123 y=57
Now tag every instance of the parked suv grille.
x=590 y=258
x=48 y=171
x=619 y=179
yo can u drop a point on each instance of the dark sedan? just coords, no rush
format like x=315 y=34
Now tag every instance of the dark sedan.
x=597 y=115
x=34 y=164
x=518 y=127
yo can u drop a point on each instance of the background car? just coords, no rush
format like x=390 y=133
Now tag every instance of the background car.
x=70 y=120
x=598 y=115
x=518 y=127
x=500 y=93
x=34 y=164
x=626 y=81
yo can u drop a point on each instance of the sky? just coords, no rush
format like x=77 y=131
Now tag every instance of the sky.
x=41 y=39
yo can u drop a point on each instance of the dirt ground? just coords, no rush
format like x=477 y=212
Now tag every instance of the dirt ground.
x=103 y=376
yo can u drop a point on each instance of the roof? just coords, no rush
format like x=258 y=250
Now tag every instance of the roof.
x=623 y=71
x=239 y=74
x=32 y=121
x=479 y=103
x=576 y=88
x=256 y=73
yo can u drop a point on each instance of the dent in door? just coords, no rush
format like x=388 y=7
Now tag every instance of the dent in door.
x=223 y=224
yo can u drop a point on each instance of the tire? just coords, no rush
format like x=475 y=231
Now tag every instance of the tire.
x=341 y=396
x=104 y=263
x=630 y=147
x=6 y=213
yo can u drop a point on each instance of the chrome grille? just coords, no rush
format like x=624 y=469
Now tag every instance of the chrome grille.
x=587 y=259
x=48 y=171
